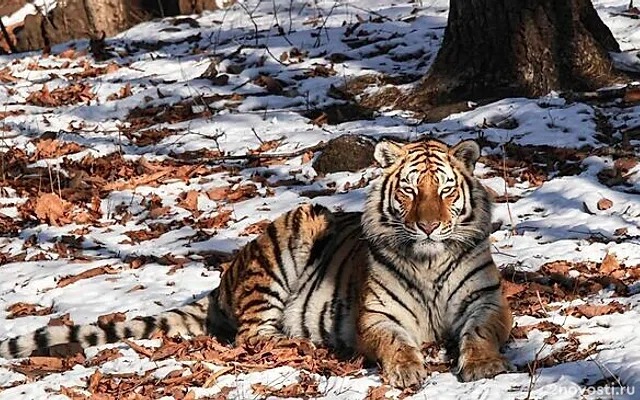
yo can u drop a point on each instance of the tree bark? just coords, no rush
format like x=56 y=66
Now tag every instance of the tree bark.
x=505 y=48
x=75 y=19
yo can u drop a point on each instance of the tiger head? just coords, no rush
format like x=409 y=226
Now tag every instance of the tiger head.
x=427 y=197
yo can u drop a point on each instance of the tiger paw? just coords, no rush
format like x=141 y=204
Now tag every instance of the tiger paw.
x=406 y=368
x=474 y=369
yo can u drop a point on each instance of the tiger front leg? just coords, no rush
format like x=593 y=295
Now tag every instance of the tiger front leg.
x=480 y=340
x=382 y=339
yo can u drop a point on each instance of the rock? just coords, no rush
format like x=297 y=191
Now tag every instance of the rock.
x=345 y=153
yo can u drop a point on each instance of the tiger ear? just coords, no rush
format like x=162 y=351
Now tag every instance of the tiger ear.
x=468 y=152
x=387 y=152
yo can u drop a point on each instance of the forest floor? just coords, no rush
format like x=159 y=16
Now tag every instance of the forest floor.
x=127 y=174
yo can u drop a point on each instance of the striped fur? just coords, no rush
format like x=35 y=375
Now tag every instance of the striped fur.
x=415 y=266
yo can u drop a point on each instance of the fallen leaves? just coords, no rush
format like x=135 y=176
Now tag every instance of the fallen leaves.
x=105 y=320
x=530 y=293
x=273 y=85
x=604 y=204
x=522 y=332
x=141 y=118
x=297 y=353
x=61 y=96
x=144 y=351
x=51 y=209
x=618 y=173
x=94 y=381
x=235 y=195
x=149 y=137
x=18 y=310
x=39 y=365
x=64 y=320
x=378 y=392
x=54 y=148
x=90 y=273
x=6 y=76
x=569 y=353
x=218 y=221
x=132 y=386
x=306 y=387
x=124 y=92
x=103 y=356
x=256 y=228
x=595 y=310
x=189 y=201
x=142 y=235
x=266 y=146
x=610 y=265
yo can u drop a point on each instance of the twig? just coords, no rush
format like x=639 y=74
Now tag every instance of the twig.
x=377 y=14
x=506 y=191
x=280 y=28
x=323 y=26
x=253 y=21
x=290 y=16
x=256 y=135
x=160 y=8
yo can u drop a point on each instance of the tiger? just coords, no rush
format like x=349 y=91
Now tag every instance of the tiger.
x=414 y=266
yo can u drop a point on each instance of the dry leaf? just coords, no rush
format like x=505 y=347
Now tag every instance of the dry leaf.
x=104 y=356
x=604 y=204
x=106 y=270
x=220 y=220
x=306 y=388
x=609 y=264
x=378 y=392
x=218 y=193
x=54 y=148
x=18 y=310
x=136 y=288
x=51 y=208
x=266 y=146
x=6 y=76
x=621 y=231
x=511 y=289
x=105 y=320
x=189 y=201
x=521 y=332
x=593 y=310
x=256 y=228
x=145 y=351
x=64 y=320
x=94 y=380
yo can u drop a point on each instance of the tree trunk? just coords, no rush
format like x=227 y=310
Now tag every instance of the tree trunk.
x=505 y=48
x=75 y=19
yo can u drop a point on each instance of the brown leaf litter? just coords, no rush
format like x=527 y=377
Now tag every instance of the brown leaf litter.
x=18 y=310
x=62 y=96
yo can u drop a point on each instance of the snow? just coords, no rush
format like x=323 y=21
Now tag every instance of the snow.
x=557 y=221
x=31 y=8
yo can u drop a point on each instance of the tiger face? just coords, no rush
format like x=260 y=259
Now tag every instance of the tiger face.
x=427 y=195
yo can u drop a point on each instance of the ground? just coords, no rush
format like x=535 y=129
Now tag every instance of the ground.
x=129 y=173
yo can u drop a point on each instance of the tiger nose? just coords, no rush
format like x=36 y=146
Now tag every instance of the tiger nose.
x=428 y=227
